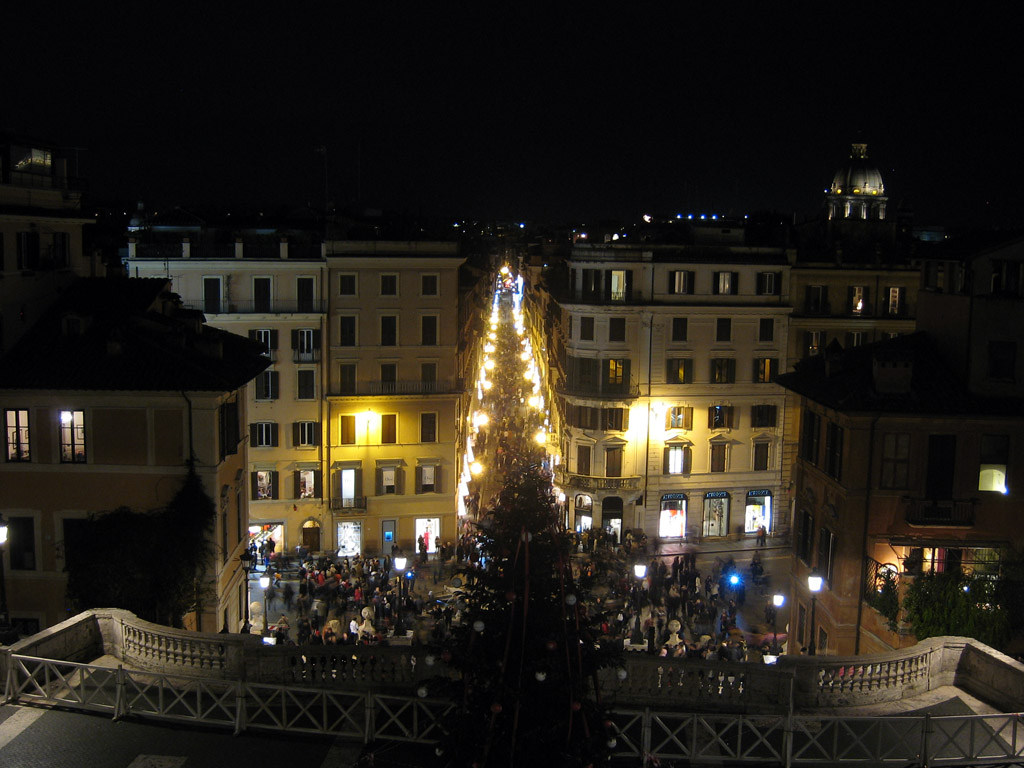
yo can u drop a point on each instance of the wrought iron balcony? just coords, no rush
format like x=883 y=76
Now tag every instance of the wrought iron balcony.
x=441 y=387
x=591 y=483
x=603 y=391
x=947 y=512
x=255 y=307
x=355 y=504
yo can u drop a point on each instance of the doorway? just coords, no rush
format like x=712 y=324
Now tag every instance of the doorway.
x=311 y=536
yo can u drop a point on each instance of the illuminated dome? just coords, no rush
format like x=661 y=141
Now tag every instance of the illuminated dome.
x=857 y=190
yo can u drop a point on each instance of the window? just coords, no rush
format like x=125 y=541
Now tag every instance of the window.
x=428 y=478
x=725 y=283
x=267 y=337
x=615 y=372
x=895 y=460
x=428 y=427
x=826 y=555
x=854 y=339
x=814 y=342
x=389 y=428
x=614 y=419
x=761 y=456
x=428 y=374
x=679 y=417
x=228 y=426
x=586 y=329
x=858 y=303
x=428 y=285
x=304 y=293
x=264 y=484
x=678 y=460
x=941 y=467
x=769 y=283
x=307 y=484
x=72 y=437
x=306 y=434
x=995 y=455
x=896 y=304
x=810 y=437
x=347 y=285
x=718 y=457
x=618 y=284
x=805 y=536
x=388 y=481
x=267 y=385
x=261 y=294
x=613 y=461
x=347 y=378
x=763 y=415
x=1002 y=360
x=723 y=329
x=583 y=459
x=347 y=423
x=834 y=450
x=617 y=329
x=723 y=370
x=388 y=376
x=347 y=331
x=16 y=422
x=21 y=543
x=680 y=282
x=263 y=434
x=720 y=417
x=428 y=330
x=766 y=329
x=306 y=384
x=765 y=369
x=211 y=295
x=680 y=370
x=679 y=329
x=306 y=345
x=389 y=285
x=816 y=300
x=28 y=250
x=389 y=331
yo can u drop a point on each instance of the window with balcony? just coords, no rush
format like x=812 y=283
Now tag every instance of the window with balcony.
x=615 y=372
x=389 y=331
x=678 y=460
x=263 y=434
x=723 y=370
x=17 y=435
x=347 y=378
x=389 y=285
x=583 y=459
x=347 y=285
x=723 y=329
x=679 y=417
x=765 y=369
x=306 y=384
x=618 y=284
x=347 y=429
x=264 y=485
x=72 y=437
x=428 y=427
x=306 y=345
x=306 y=434
x=679 y=329
x=428 y=285
x=941 y=467
x=212 y=295
x=617 y=329
x=389 y=428
x=613 y=461
x=586 y=329
x=428 y=330
x=261 y=301
x=725 y=283
x=679 y=370
x=720 y=417
x=762 y=416
x=895 y=460
x=428 y=374
x=766 y=329
x=347 y=331
x=993 y=460
x=718 y=457
x=267 y=337
x=680 y=282
x=388 y=377
x=305 y=293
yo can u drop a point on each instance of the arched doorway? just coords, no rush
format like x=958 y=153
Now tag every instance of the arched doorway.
x=311 y=535
x=611 y=517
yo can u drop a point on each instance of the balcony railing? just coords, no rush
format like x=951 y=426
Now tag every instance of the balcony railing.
x=354 y=504
x=250 y=307
x=940 y=513
x=591 y=483
x=603 y=391
x=442 y=387
x=308 y=356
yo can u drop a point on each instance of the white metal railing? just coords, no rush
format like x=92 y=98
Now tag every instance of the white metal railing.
x=775 y=739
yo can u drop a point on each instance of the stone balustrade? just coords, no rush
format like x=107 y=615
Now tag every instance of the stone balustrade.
x=799 y=683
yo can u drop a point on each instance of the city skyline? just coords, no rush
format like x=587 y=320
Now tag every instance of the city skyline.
x=487 y=113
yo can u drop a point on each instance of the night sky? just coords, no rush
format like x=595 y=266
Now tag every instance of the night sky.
x=554 y=114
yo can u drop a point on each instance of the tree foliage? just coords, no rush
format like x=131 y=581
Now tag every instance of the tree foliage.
x=955 y=603
x=150 y=563
x=526 y=654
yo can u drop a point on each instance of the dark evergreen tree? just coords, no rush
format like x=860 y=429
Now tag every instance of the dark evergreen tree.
x=526 y=656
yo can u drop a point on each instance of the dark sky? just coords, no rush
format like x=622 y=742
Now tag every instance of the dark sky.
x=473 y=111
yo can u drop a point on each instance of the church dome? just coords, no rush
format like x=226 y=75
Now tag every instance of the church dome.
x=858 y=177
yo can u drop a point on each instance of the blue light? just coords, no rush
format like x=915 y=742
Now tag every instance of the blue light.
x=734 y=579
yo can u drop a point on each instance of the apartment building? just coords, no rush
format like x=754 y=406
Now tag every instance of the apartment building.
x=666 y=406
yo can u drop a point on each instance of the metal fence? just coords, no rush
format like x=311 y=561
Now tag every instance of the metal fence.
x=643 y=734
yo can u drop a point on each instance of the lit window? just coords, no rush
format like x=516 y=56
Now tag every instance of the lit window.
x=17 y=435
x=72 y=437
x=388 y=481
x=264 y=485
x=995 y=453
x=678 y=459
x=305 y=484
x=679 y=417
x=858 y=295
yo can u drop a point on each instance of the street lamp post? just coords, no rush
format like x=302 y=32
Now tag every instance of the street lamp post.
x=778 y=600
x=400 y=562
x=640 y=571
x=265 y=585
x=814 y=582
x=246 y=559
x=5 y=623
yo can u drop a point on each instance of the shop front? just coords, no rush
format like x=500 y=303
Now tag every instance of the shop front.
x=611 y=517
x=427 y=531
x=758 y=510
x=583 y=507
x=716 y=514
x=672 y=519
x=350 y=538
